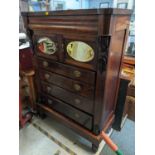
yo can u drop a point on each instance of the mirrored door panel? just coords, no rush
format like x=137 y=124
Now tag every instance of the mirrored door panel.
x=47 y=46
x=81 y=53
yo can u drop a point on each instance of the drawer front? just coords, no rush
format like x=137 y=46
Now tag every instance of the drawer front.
x=68 y=71
x=68 y=84
x=74 y=114
x=77 y=101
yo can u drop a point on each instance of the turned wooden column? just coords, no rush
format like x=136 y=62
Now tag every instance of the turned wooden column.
x=30 y=77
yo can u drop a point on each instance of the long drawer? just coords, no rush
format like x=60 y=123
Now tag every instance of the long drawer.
x=75 y=100
x=74 y=86
x=72 y=113
x=68 y=71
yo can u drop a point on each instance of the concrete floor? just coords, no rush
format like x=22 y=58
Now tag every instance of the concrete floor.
x=58 y=140
x=124 y=139
x=48 y=137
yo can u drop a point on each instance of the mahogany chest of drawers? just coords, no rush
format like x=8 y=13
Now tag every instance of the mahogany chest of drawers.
x=77 y=60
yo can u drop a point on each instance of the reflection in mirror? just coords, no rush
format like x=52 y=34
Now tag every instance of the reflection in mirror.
x=80 y=51
x=46 y=45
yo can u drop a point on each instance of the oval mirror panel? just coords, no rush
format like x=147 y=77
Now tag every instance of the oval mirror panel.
x=46 y=45
x=80 y=51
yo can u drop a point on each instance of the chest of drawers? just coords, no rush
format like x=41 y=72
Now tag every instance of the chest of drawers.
x=77 y=60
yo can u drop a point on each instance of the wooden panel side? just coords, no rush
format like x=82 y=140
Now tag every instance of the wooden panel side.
x=116 y=50
x=107 y=82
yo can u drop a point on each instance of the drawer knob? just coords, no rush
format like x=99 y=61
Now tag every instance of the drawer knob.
x=77 y=73
x=45 y=63
x=48 y=89
x=47 y=76
x=50 y=101
x=77 y=101
x=77 y=115
x=77 y=87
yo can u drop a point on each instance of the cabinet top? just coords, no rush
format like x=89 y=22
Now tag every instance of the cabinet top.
x=107 y=11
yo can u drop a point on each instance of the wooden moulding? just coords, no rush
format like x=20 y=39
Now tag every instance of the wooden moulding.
x=74 y=126
x=107 y=11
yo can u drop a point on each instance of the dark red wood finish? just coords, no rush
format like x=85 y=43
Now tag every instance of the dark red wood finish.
x=85 y=90
x=67 y=110
x=25 y=59
x=82 y=103
x=90 y=88
x=67 y=71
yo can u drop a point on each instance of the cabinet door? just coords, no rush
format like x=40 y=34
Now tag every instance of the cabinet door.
x=80 y=53
x=47 y=46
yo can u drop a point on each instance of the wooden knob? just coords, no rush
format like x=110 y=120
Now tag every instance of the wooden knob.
x=45 y=63
x=48 y=89
x=49 y=101
x=47 y=76
x=77 y=73
x=77 y=87
x=77 y=101
x=77 y=115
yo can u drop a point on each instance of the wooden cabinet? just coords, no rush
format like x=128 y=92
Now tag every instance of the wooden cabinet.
x=77 y=61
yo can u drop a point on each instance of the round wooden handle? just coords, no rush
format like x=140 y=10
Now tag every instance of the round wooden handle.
x=77 y=101
x=45 y=63
x=48 y=89
x=47 y=76
x=77 y=87
x=77 y=73
x=50 y=101
x=77 y=115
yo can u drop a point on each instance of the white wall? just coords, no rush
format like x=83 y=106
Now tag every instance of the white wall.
x=72 y=4
x=96 y=3
x=85 y=4
x=130 y=3
x=115 y=3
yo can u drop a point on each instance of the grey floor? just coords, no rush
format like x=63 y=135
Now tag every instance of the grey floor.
x=33 y=142
x=124 y=139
